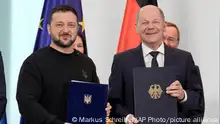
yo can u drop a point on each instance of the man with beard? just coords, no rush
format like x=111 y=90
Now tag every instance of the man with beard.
x=45 y=74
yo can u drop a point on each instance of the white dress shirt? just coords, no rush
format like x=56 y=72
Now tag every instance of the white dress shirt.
x=147 y=60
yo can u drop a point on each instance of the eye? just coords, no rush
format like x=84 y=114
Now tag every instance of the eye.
x=79 y=45
x=59 y=25
x=170 y=39
x=153 y=86
x=156 y=22
x=72 y=25
x=144 y=23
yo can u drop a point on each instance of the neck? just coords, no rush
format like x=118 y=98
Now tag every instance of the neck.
x=153 y=46
x=67 y=50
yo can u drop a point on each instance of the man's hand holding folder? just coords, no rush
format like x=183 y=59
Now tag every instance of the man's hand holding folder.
x=176 y=90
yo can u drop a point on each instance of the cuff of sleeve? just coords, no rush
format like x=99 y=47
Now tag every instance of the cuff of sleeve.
x=185 y=97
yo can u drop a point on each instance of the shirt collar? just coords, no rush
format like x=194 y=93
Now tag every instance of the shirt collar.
x=147 y=50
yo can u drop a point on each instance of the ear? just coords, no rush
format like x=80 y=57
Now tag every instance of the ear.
x=165 y=26
x=136 y=27
x=48 y=28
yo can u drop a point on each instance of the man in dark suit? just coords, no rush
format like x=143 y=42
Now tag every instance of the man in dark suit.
x=2 y=88
x=152 y=52
x=172 y=38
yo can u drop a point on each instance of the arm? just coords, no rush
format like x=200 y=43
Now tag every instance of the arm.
x=116 y=88
x=29 y=91
x=193 y=86
x=3 y=99
x=94 y=74
x=198 y=111
x=202 y=99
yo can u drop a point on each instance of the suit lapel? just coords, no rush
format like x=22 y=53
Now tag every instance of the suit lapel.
x=138 y=54
x=168 y=56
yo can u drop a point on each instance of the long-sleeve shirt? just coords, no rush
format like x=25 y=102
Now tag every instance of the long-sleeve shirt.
x=43 y=84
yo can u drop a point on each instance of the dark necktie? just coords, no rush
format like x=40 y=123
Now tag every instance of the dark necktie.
x=154 y=60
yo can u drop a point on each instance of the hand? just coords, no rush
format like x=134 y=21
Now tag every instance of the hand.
x=176 y=90
x=132 y=120
x=108 y=109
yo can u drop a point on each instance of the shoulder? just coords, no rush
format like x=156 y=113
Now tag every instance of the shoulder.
x=84 y=58
x=179 y=52
x=37 y=56
x=1 y=55
x=128 y=54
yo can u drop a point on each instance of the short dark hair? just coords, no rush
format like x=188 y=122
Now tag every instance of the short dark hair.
x=62 y=8
x=170 y=24
x=84 y=42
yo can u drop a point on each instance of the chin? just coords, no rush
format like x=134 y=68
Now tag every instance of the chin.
x=151 y=41
x=65 y=41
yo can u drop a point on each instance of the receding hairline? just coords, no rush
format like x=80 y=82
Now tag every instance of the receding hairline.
x=160 y=11
x=170 y=24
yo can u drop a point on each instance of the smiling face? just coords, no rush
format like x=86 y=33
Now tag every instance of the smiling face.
x=150 y=25
x=63 y=28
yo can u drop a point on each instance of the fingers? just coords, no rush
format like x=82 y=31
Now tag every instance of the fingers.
x=175 y=90
x=135 y=120
x=108 y=109
x=174 y=87
x=108 y=112
x=175 y=83
x=108 y=104
x=172 y=92
x=132 y=120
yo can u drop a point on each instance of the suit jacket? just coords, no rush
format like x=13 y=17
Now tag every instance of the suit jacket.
x=2 y=88
x=121 y=95
x=200 y=110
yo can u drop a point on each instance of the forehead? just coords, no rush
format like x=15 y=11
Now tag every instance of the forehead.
x=78 y=39
x=64 y=17
x=171 y=31
x=150 y=14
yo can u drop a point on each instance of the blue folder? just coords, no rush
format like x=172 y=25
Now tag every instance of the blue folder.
x=152 y=104
x=87 y=102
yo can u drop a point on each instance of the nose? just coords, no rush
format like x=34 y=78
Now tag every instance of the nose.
x=150 y=26
x=65 y=29
x=166 y=42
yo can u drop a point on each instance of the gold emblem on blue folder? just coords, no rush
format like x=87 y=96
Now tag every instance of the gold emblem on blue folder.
x=87 y=98
x=155 y=91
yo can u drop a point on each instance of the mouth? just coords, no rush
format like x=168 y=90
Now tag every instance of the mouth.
x=65 y=37
x=151 y=33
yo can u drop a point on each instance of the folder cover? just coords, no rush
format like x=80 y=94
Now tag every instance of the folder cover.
x=86 y=102
x=152 y=104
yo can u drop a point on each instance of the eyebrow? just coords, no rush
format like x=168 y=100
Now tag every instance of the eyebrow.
x=156 y=20
x=172 y=38
x=59 y=22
